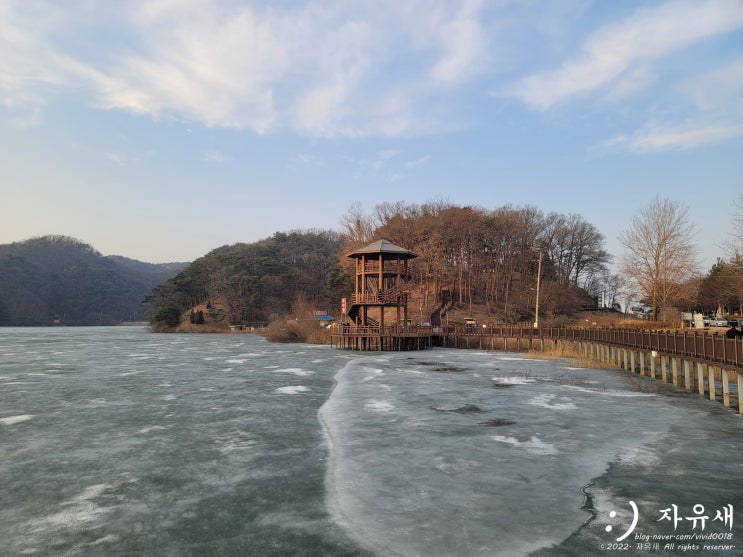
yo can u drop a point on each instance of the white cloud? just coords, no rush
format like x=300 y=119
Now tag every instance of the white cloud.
x=620 y=50
x=307 y=160
x=383 y=157
x=213 y=156
x=118 y=158
x=721 y=88
x=321 y=68
x=654 y=138
x=415 y=163
x=716 y=97
x=463 y=43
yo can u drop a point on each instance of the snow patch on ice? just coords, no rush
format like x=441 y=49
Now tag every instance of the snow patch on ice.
x=643 y=456
x=136 y=372
x=454 y=466
x=293 y=389
x=534 y=445
x=298 y=371
x=545 y=401
x=607 y=392
x=78 y=512
x=234 y=444
x=374 y=374
x=10 y=420
x=151 y=428
x=510 y=380
x=379 y=406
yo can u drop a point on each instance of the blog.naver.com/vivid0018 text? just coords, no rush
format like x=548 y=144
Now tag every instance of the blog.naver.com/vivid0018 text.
x=696 y=530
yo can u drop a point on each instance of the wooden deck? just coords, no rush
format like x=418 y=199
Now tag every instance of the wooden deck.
x=385 y=338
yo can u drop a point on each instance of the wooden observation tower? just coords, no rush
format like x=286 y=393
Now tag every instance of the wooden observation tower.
x=378 y=309
x=382 y=281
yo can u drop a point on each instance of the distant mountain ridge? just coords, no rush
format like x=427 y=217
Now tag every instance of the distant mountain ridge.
x=62 y=280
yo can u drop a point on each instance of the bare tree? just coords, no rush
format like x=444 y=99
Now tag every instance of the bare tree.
x=738 y=232
x=660 y=254
x=575 y=246
x=357 y=227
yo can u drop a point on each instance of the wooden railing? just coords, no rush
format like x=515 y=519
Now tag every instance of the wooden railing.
x=381 y=297
x=375 y=330
x=693 y=345
x=390 y=267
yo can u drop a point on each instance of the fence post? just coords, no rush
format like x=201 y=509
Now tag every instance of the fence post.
x=687 y=376
x=725 y=388
x=700 y=378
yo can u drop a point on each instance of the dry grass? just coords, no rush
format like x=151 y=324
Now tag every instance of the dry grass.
x=571 y=354
x=287 y=330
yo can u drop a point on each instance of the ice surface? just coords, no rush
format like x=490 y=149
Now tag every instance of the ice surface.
x=107 y=468
x=439 y=452
x=416 y=471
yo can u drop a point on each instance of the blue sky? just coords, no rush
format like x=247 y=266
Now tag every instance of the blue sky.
x=162 y=129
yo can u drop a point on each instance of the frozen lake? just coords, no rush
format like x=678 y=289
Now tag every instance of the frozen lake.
x=117 y=441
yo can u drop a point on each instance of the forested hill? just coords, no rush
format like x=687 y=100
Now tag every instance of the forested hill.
x=57 y=278
x=252 y=283
x=481 y=263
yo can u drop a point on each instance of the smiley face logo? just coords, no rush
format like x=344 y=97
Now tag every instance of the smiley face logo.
x=635 y=518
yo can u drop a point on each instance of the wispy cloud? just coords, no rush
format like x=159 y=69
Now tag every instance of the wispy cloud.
x=336 y=69
x=213 y=157
x=720 y=88
x=120 y=158
x=307 y=160
x=463 y=44
x=415 y=163
x=658 y=137
x=618 y=57
x=383 y=157
x=321 y=69
x=714 y=114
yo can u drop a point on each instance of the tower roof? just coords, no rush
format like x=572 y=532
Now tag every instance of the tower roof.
x=383 y=246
